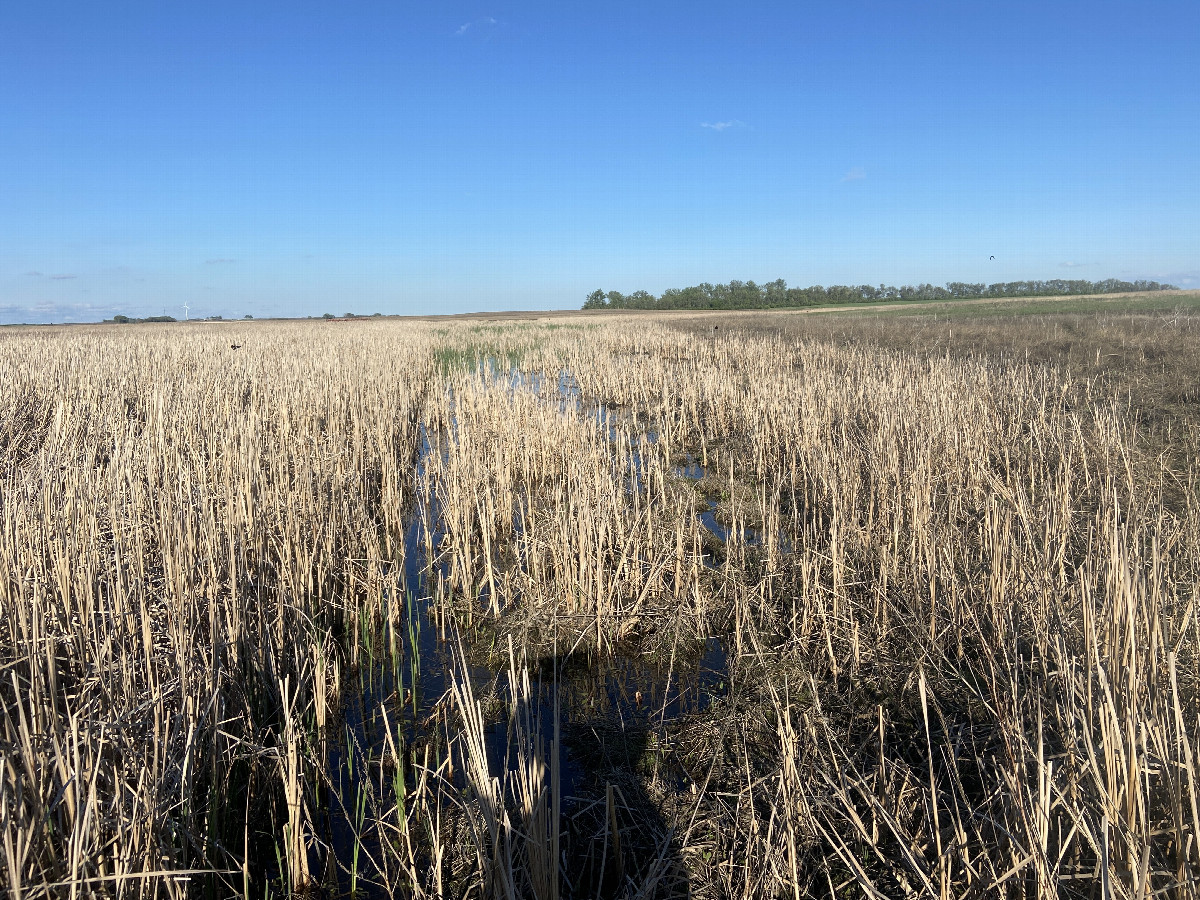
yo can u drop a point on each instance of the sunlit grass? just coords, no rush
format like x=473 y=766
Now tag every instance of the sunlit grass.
x=952 y=584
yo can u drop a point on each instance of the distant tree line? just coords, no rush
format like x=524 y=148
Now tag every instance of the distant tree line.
x=748 y=295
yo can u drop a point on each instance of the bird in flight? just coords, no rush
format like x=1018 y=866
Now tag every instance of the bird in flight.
x=235 y=346
x=991 y=257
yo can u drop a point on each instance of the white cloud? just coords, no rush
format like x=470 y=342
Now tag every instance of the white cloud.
x=486 y=21
x=1186 y=280
x=1072 y=265
x=721 y=126
x=858 y=173
x=65 y=277
x=50 y=311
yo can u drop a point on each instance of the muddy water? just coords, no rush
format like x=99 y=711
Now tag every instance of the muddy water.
x=399 y=696
x=691 y=469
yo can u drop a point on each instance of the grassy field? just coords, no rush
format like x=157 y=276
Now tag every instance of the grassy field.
x=625 y=606
x=1110 y=304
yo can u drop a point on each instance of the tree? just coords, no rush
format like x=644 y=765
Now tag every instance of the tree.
x=775 y=292
x=748 y=295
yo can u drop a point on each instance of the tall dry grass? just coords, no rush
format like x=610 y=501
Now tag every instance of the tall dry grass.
x=958 y=595
x=187 y=530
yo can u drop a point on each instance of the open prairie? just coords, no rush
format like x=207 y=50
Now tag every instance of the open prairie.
x=745 y=605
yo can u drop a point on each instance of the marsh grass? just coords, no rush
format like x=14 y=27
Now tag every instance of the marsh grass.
x=476 y=357
x=951 y=568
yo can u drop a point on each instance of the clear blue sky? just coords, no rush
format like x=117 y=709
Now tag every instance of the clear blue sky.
x=296 y=158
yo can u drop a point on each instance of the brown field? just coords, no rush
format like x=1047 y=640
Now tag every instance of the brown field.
x=617 y=606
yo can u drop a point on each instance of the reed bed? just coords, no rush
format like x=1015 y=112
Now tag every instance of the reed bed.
x=329 y=612
x=189 y=537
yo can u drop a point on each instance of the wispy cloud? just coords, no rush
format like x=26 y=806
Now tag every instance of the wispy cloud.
x=721 y=126
x=218 y=261
x=1186 y=280
x=1072 y=265
x=858 y=173
x=34 y=274
x=65 y=277
x=51 y=311
x=485 y=22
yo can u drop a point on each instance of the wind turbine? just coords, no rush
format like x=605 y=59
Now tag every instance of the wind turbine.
x=185 y=312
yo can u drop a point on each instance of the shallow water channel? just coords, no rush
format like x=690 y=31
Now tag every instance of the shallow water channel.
x=398 y=700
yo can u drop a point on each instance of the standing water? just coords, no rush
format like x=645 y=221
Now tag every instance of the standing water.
x=398 y=721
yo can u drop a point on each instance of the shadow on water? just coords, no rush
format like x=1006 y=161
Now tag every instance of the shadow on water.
x=615 y=712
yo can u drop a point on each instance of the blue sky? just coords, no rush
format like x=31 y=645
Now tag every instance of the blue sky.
x=296 y=158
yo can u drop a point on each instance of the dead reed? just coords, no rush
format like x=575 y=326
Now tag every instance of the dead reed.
x=957 y=593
